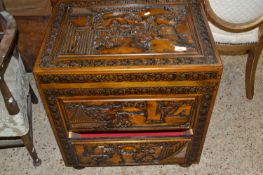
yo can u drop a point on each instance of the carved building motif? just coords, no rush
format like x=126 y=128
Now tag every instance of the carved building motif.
x=126 y=30
x=125 y=154
x=49 y=57
x=130 y=114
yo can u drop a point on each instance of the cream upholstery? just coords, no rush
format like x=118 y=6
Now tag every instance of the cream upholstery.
x=17 y=81
x=237 y=11
x=221 y=36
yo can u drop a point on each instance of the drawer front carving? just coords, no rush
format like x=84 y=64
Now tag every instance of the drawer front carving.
x=130 y=152
x=129 y=114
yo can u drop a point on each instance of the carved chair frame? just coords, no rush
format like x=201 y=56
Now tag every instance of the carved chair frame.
x=253 y=49
x=8 y=48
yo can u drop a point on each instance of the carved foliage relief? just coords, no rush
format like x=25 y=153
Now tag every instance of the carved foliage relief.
x=134 y=77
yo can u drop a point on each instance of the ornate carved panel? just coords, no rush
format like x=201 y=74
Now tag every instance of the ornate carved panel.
x=125 y=30
x=141 y=29
x=100 y=153
x=131 y=114
x=159 y=50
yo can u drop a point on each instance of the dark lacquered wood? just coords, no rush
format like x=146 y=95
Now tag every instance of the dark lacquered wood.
x=28 y=7
x=31 y=34
x=54 y=2
x=32 y=18
x=117 y=66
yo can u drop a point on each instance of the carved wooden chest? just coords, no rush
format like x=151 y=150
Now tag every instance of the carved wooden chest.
x=128 y=82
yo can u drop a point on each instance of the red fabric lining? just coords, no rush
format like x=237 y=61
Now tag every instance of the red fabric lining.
x=146 y=134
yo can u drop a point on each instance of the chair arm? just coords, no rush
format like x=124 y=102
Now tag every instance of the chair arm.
x=9 y=39
x=227 y=26
x=10 y=102
x=7 y=46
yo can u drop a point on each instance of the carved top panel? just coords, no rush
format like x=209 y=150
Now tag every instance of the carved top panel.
x=112 y=32
x=125 y=30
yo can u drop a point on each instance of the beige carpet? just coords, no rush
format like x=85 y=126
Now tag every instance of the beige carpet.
x=234 y=143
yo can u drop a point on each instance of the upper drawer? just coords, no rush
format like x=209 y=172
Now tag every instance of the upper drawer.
x=128 y=114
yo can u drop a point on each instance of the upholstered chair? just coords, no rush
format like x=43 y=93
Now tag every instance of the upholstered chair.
x=237 y=28
x=16 y=92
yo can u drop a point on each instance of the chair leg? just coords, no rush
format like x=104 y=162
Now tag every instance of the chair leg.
x=34 y=98
x=28 y=141
x=251 y=66
x=28 y=138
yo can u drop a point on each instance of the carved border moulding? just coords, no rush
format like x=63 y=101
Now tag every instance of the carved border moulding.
x=125 y=91
x=134 y=77
x=200 y=127
x=49 y=60
x=203 y=33
x=46 y=56
x=52 y=94
x=49 y=63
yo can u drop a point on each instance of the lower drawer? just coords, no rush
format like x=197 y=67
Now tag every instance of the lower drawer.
x=138 y=149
